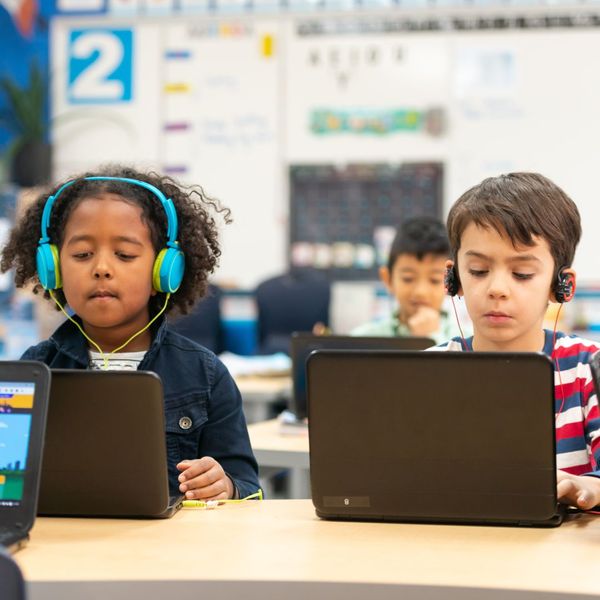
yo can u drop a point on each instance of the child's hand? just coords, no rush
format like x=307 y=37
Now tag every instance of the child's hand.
x=425 y=321
x=204 y=479
x=578 y=490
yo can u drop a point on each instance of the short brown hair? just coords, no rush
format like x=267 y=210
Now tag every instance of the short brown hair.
x=520 y=205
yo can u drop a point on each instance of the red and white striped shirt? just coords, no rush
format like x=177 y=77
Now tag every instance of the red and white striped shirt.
x=576 y=401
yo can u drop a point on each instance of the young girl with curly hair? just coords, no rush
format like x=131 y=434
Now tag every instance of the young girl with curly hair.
x=122 y=249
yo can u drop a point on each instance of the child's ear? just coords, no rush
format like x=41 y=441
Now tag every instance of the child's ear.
x=449 y=264
x=386 y=278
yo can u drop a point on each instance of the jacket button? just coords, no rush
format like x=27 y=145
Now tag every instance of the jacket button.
x=185 y=422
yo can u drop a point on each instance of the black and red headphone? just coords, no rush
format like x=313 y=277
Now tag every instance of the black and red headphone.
x=451 y=281
x=563 y=288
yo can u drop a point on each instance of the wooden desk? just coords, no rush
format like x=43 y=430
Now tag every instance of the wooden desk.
x=279 y=548
x=274 y=450
x=259 y=394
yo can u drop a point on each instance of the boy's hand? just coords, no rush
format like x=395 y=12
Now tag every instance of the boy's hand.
x=578 y=490
x=425 y=321
x=204 y=479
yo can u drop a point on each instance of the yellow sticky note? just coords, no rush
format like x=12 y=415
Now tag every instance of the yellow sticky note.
x=267 y=45
x=176 y=88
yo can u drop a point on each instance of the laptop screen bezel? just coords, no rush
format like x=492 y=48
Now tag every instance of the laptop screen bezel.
x=22 y=515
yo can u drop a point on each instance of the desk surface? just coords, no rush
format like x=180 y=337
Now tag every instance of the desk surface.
x=257 y=546
x=276 y=450
x=264 y=389
x=268 y=436
x=260 y=393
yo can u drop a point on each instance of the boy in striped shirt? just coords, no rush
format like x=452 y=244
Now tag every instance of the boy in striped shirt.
x=513 y=240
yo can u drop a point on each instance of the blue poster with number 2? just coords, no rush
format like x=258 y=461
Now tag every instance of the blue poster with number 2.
x=100 y=66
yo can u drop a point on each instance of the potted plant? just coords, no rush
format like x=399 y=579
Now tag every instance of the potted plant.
x=30 y=154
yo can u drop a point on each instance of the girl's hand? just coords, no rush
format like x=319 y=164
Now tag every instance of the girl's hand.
x=204 y=479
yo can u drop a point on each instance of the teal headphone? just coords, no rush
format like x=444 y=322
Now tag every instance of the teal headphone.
x=167 y=272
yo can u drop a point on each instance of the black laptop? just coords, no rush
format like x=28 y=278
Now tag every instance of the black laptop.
x=105 y=452
x=304 y=343
x=443 y=437
x=24 y=387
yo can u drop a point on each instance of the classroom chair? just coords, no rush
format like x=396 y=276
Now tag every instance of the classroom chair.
x=12 y=585
x=203 y=324
x=295 y=301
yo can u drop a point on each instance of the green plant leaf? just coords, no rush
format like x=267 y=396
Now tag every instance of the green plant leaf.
x=25 y=114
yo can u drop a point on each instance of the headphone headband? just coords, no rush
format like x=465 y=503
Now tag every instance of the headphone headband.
x=169 y=265
x=167 y=204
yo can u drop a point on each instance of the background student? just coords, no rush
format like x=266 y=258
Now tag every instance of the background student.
x=513 y=239
x=123 y=249
x=414 y=276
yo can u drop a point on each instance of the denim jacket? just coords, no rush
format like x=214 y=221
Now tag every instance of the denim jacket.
x=196 y=385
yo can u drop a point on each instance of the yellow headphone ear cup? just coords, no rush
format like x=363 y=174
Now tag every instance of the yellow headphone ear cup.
x=156 y=270
x=56 y=259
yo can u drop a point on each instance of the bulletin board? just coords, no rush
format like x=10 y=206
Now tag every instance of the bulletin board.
x=236 y=105
x=343 y=219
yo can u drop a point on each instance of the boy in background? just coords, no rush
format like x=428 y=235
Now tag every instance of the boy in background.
x=414 y=276
x=513 y=240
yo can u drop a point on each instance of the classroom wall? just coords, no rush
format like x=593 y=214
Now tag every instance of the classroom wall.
x=231 y=104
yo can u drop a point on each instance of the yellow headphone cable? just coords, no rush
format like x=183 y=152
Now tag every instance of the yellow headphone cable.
x=91 y=341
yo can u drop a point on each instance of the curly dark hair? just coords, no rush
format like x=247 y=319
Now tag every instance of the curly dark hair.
x=198 y=233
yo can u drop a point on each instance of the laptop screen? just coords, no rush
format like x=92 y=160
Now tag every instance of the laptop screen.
x=16 y=408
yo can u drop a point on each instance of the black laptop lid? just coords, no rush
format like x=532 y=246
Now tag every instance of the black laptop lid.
x=432 y=436
x=24 y=387
x=305 y=343
x=105 y=452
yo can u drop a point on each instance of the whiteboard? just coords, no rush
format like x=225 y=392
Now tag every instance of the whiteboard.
x=543 y=118
x=231 y=105
x=512 y=101
x=91 y=122
x=204 y=108
x=232 y=147
x=364 y=74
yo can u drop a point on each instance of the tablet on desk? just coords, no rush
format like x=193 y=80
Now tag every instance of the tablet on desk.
x=105 y=453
